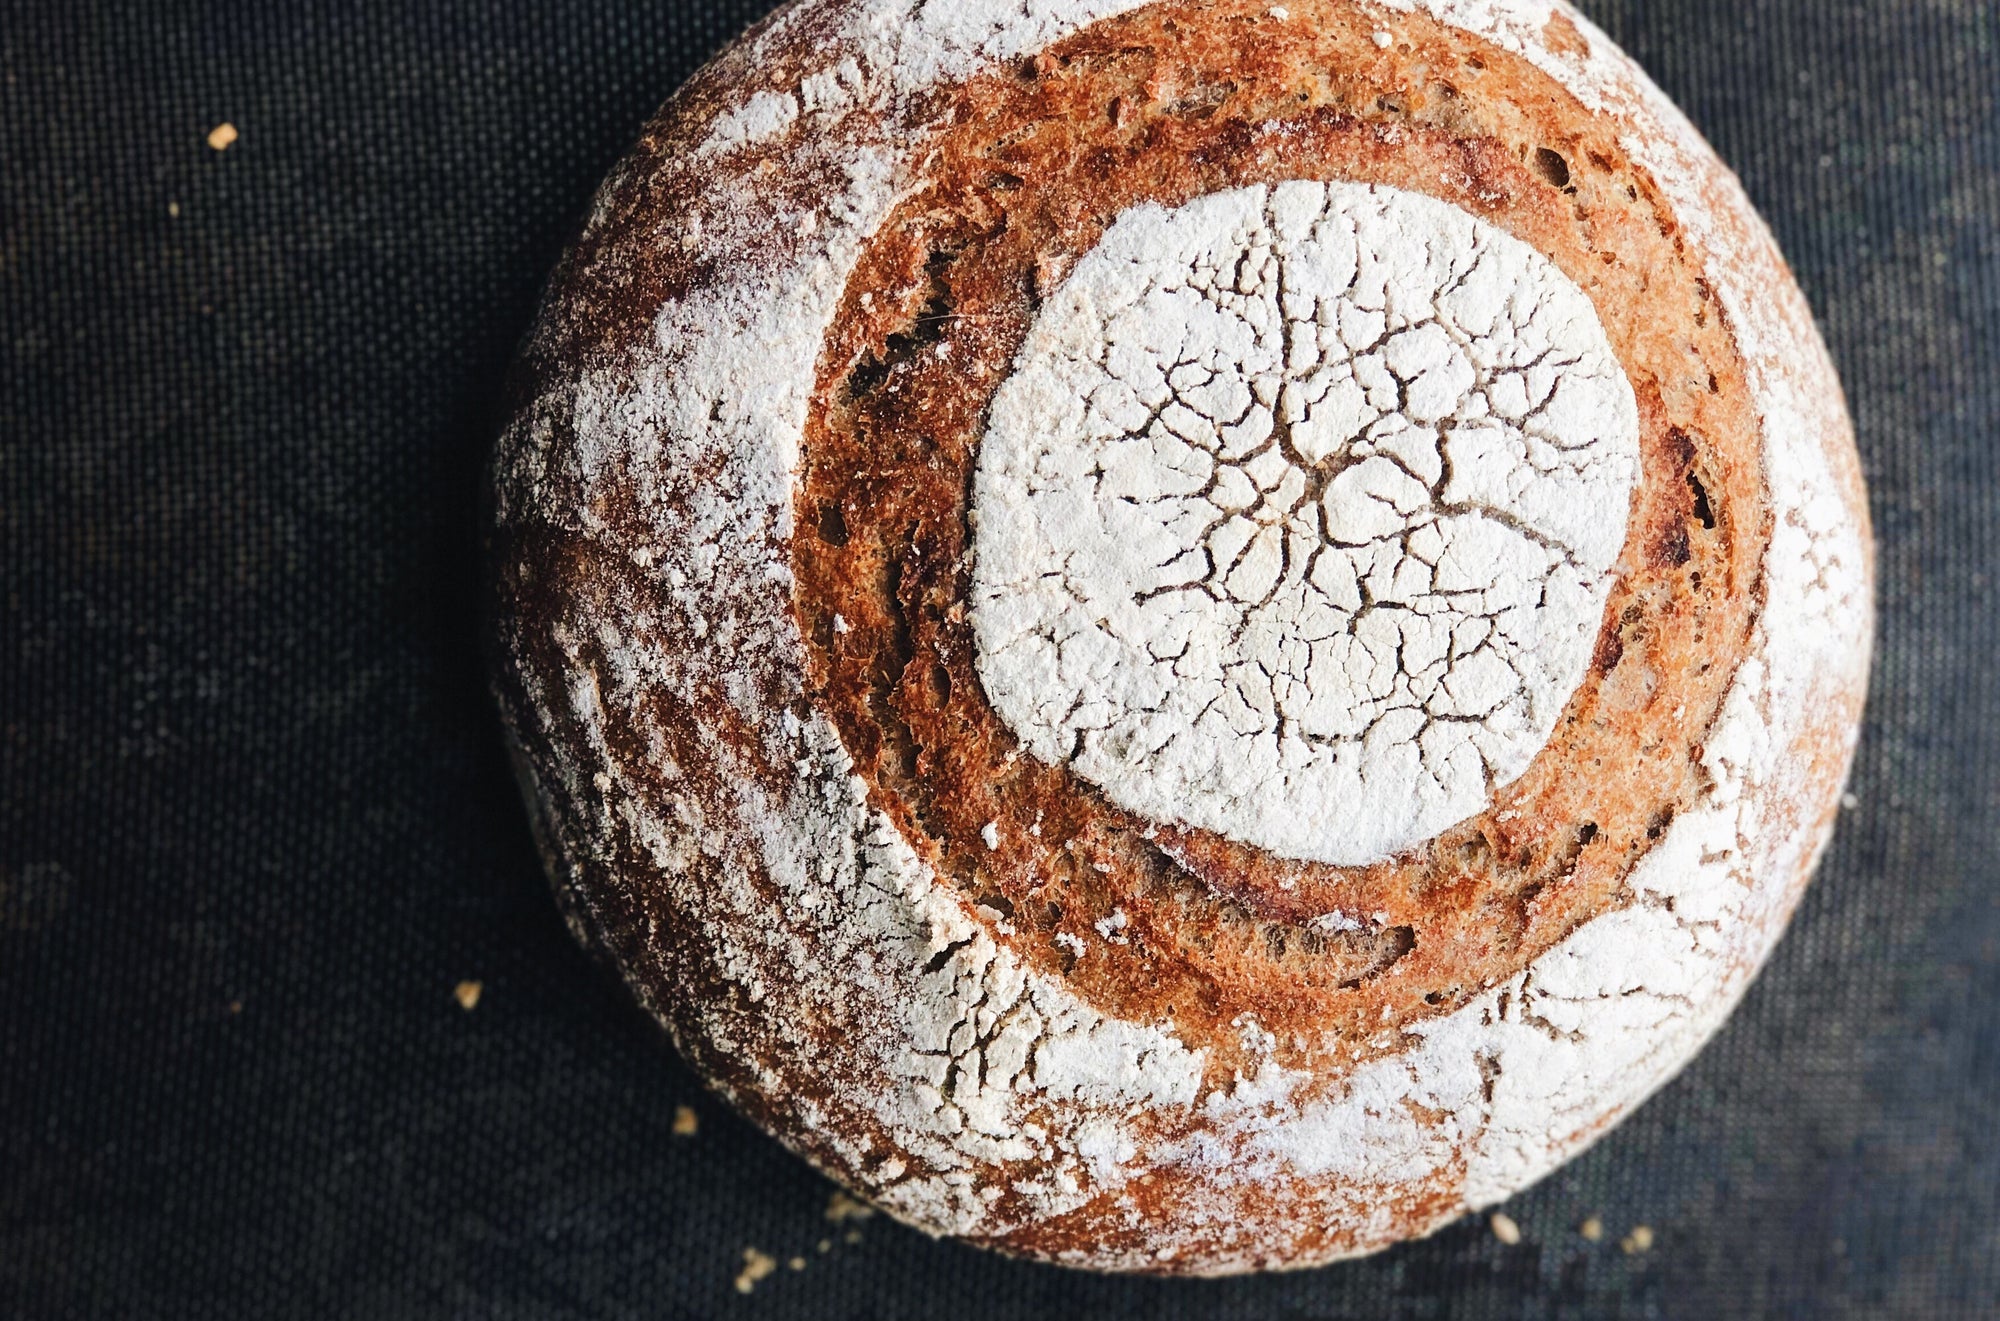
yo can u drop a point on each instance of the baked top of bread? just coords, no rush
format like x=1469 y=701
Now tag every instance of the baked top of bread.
x=1180 y=637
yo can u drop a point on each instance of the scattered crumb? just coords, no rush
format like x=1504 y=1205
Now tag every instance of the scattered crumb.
x=990 y=832
x=173 y=208
x=235 y=1006
x=1505 y=1229
x=1639 y=1240
x=852 y=1236
x=1383 y=40
x=825 y=1246
x=1592 y=1229
x=686 y=1122
x=756 y=1265
x=796 y=1263
x=221 y=136
x=840 y=1208
x=466 y=993
x=1849 y=801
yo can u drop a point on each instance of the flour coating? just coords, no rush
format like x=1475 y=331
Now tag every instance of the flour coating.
x=1295 y=518
x=846 y=960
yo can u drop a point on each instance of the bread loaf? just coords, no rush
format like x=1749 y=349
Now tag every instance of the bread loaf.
x=1180 y=637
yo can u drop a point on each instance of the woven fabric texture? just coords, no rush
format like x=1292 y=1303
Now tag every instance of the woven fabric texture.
x=256 y=826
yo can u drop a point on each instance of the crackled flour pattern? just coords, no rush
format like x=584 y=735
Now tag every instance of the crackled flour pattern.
x=1294 y=520
x=863 y=983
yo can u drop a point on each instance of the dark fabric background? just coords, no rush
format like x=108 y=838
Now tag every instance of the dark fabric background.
x=255 y=822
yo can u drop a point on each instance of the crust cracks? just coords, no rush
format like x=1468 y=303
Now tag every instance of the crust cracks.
x=890 y=995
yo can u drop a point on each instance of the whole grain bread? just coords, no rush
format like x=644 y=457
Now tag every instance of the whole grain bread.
x=739 y=537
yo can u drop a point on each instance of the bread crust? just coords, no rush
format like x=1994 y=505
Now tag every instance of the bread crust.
x=734 y=552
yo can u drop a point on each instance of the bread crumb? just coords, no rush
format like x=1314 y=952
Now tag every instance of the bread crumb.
x=221 y=136
x=467 y=994
x=1592 y=1229
x=797 y=1263
x=1505 y=1229
x=1383 y=40
x=825 y=1246
x=1639 y=1240
x=686 y=1122
x=756 y=1265
x=1850 y=801
x=990 y=832
x=853 y=1236
x=841 y=1208
x=173 y=208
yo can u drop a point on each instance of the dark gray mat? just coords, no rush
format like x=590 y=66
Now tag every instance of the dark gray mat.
x=255 y=822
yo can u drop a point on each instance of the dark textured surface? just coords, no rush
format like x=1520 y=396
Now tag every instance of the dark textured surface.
x=255 y=823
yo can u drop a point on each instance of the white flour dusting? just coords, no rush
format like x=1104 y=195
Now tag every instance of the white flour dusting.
x=1295 y=518
x=859 y=981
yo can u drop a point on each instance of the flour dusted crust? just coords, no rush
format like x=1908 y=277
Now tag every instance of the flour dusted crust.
x=896 y=894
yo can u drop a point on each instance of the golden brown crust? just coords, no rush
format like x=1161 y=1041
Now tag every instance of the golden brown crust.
x=694 y=575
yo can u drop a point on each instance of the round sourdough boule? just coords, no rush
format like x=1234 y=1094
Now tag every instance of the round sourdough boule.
x=1180 y=637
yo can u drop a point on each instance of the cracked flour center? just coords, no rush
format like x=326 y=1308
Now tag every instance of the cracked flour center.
x=1179 y=637
x=1295 y=519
